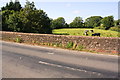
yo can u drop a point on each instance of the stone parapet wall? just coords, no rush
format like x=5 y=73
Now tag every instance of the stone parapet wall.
x=100 y=44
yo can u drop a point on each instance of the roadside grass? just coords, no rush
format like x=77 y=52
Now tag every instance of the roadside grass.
x=80 y=31
x=62 y=46
x=18 y=40
x=69 y=45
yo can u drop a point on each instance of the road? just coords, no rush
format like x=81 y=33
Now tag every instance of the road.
x=27 y=61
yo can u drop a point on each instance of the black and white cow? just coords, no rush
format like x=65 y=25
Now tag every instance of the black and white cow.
x=86 y=32
x=96 y=34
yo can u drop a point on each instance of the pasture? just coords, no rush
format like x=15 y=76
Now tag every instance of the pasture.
x=80 y=31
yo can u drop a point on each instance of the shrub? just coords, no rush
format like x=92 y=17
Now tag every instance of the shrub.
x=55 y=44
x=80 y=47
x=100 y=27
x=18 y=40
x=116 y=28
x=69 y=45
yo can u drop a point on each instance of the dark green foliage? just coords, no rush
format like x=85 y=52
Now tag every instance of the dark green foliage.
x=16 y=6
x=66 y=25
x=14 y=22
x=35 y=21
x=117 y=22
x=77 y=23
x=30 y=6
x=108 y=22
x=5 y=16
x=27 y=19
x=7 y=11
x=69 y=45
x=58 y=23
x=93 y=21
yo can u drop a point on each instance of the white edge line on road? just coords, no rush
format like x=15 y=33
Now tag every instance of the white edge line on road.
x=56 y=65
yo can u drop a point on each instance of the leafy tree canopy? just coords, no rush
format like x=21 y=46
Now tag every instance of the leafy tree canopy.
x=93 y=21
x=16 y=6
x=77 y=23
x=5 y=16
x=108 y=22
x=58 y=23
x=117 y=22
x=34 y=20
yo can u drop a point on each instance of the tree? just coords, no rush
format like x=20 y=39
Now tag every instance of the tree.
x=16 y=6
x=116 y=22
x=10 y=6
x=30 y=6
x=115 y=28
x=77 y=23
x=34 y=20
x=66 y=25
x=40 y=22
x=93 y=21
x=58 y=23
x=14 y=22
x=108 y=22
x=5 y=16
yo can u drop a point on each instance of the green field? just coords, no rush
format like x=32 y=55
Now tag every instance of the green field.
x=80 y=31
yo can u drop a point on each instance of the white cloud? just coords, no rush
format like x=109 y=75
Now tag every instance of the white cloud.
x=76 y=12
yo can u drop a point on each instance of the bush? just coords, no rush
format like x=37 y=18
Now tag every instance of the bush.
x=18 y=40
x=116 y=28
x=69 y=45
x=100 y=27
x=80 y=47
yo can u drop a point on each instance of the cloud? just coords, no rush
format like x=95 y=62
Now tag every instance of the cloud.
x=76 y=12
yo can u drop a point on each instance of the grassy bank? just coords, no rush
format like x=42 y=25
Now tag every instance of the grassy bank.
x=80 y=31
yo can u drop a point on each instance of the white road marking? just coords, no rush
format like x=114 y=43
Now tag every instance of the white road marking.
x=75 y=69
x=28 y=45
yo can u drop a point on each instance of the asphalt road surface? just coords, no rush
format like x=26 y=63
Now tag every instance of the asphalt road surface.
x=27 y=61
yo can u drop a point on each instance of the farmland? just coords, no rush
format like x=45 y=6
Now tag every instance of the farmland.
x=80 y=31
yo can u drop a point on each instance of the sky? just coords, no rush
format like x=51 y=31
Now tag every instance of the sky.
x=71 y=9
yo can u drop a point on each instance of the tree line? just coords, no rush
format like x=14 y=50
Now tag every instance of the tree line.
x=29 y=19
x=97 y=22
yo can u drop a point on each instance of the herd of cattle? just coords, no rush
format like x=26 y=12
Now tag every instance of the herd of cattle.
x=94 y=34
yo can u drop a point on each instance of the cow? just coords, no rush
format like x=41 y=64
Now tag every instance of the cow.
x=86 y=32
x=92 y=31
x=96 y=34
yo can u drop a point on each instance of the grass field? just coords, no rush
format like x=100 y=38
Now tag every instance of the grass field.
x=80 y=31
